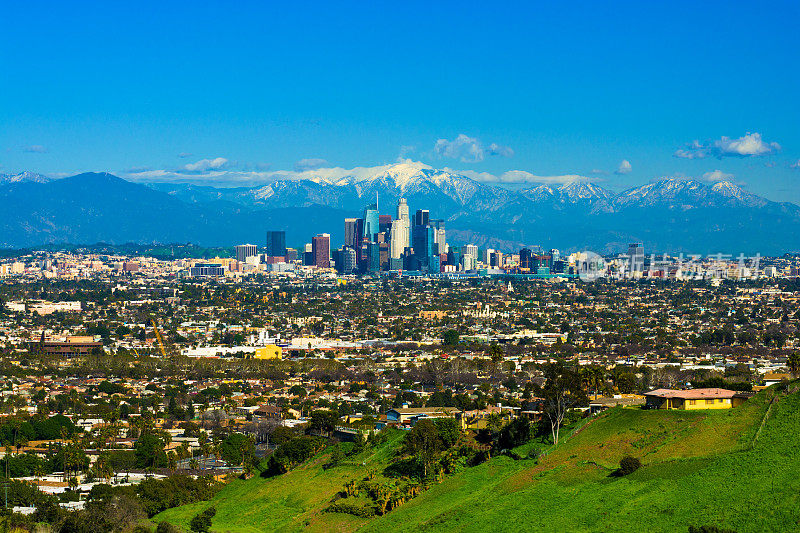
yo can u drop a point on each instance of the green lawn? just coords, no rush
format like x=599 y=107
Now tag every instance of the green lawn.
x=698 y=468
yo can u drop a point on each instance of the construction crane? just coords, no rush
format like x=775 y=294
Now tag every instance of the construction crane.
x=158 y=337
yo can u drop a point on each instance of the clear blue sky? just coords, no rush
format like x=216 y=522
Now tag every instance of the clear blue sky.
x=570 y=88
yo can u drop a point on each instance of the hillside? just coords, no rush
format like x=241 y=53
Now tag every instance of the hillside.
x=699 y=468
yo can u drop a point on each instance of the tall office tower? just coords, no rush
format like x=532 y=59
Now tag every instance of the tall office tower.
x=243 y=251
x=321 y=250
x=400 y=233
x=402 y=214
x=372 y=224
x=439 y=237
x=291 y=254
x=276 y=243
x=555 y=254
x=308 y=254
x=402 y=209
x=422 y=217
x=487 y=255
x=373 y=263
x=384 y=223
x=472 y=251
x=347 y=257
x=353 y=232
x=526 y=258
x=469 y=262
x=635 y=257
x=422 y=240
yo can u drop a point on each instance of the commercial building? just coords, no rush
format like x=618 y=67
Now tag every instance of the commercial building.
x=635 y=257
x=353 y=232
x=207 y=270
x=243 y=251
x=321 y=250
x=276 y=244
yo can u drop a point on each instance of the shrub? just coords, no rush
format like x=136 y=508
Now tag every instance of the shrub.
x=166 y=527
x=628 y=465
x=201 y=522
x=351 y=508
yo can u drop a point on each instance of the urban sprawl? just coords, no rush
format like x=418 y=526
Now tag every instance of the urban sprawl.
x=152 y=377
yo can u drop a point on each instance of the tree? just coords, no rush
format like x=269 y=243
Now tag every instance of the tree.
x=425 y=443
x=793 y=364
x=628 y=465
x=562 y=391
x=450 y=337
x=323 y=421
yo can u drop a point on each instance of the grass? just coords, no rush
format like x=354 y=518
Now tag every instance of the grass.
x=289 y=502
x=699 y=468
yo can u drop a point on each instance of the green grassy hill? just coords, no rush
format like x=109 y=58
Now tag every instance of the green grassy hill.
x=738 y=469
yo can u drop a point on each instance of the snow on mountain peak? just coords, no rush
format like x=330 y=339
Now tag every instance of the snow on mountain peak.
x=25 y=176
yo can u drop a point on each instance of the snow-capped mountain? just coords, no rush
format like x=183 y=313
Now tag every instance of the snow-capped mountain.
x=687 y=194
x=23 y=177
x=668 y=214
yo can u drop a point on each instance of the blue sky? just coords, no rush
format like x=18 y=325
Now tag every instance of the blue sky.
x=550 y=89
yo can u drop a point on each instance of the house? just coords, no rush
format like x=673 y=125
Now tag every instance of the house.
x=773 y=378
x=712 y=398
x=403 y=415
x=269 y=411
x=481 y=418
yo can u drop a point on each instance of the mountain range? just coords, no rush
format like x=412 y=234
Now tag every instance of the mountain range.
x=669 y=215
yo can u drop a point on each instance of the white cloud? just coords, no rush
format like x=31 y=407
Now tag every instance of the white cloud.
x=624 y=167
x=796 y=164
x=468 y=149
x=749 y=145
x=226 y=177
x=311 y=163
x=207 y=164
x=499 y=149
x=35 y=149
x=717 y=175
x=405 y=150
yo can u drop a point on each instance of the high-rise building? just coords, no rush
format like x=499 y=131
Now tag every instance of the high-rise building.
x=353 y=232
x=321 y=250
x=243 y=251
x=422 y=217
x=439 y=237
x=373 y=257
x=371 y=222
x=402 y=209
x=635 y=257
x=402 y=214
x=526 y=258
x=276 y=244
x=398 y=238
x=384 y=223
x=348 y=259
x=422 y=241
